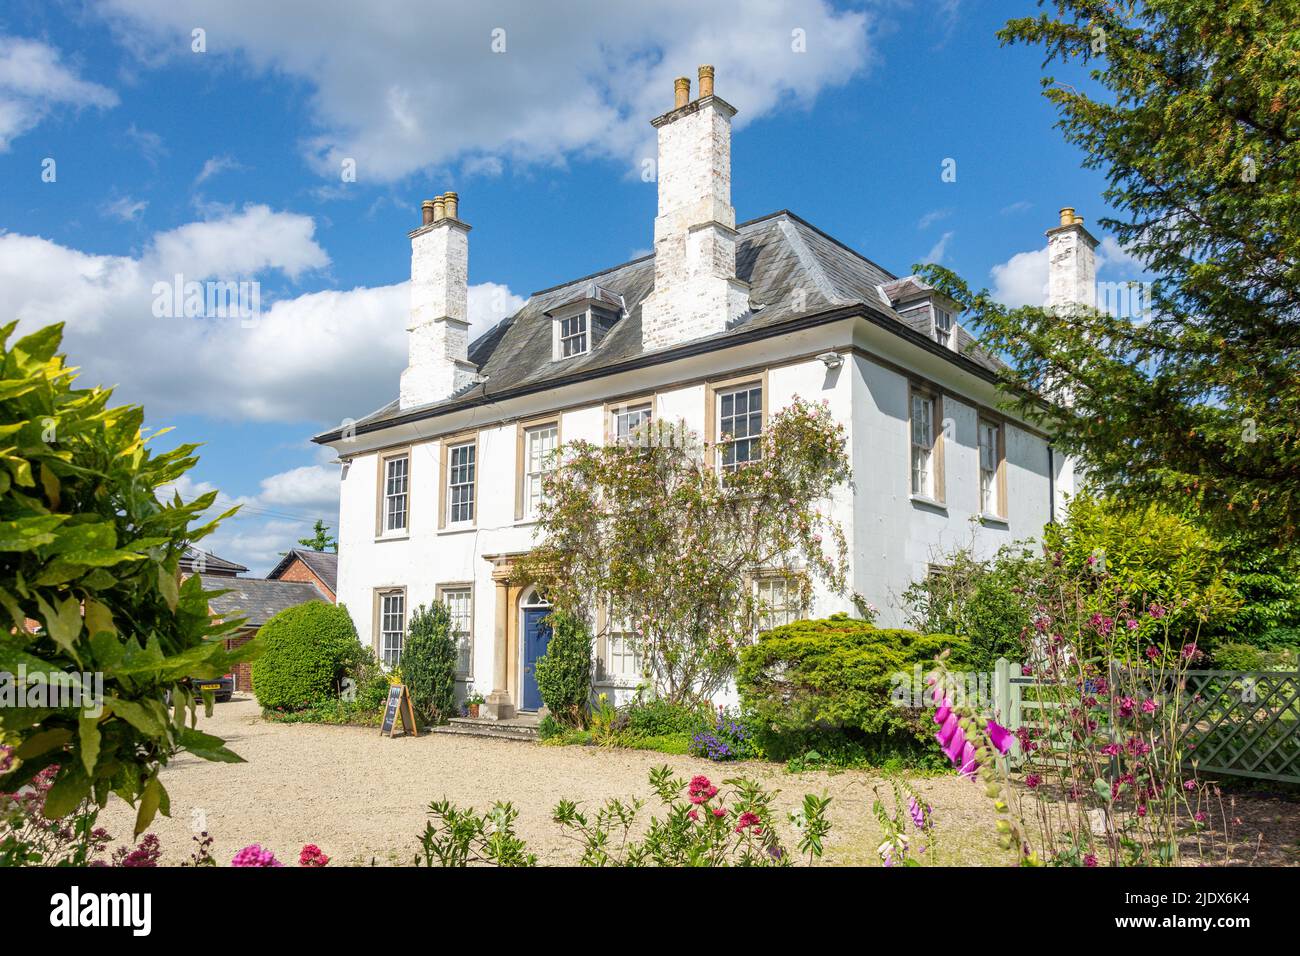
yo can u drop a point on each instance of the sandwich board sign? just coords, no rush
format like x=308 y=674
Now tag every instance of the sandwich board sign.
x=399 y=704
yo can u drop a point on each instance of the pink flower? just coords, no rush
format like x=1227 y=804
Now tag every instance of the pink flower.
x=1200 y=816
x=1090 y=859
x=1033 y=780
x=255 y=856
x=748 y=820
x=701 y=790
x=719 y=812
x=1152 y=653
x=1131 y=624
x=1157 y=611
x=311 y=855
x=918 y=812
x=1189 y=785
x=694 y=815
x=1189 y=651
x=1149 y=705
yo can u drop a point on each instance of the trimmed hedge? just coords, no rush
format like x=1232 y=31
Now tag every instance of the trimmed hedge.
x=429 y=663
x=564 y=671
x=826 y=686
x=306 y=650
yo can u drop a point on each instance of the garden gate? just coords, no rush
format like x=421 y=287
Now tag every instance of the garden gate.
x=1242 y=723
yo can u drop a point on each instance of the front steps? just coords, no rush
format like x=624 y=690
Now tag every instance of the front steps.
x=517 y=728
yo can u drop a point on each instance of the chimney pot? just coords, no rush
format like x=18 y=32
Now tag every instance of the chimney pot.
x=681 y=92
x=450 y=201
x=1067 y=215
x=439 y=208
x=426 y=212
x=706 y=81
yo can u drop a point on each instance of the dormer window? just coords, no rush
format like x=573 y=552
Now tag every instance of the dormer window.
x=581 y=321
x=943 y=327
x=575 y=338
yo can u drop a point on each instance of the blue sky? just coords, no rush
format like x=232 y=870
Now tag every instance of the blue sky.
x=226 y=163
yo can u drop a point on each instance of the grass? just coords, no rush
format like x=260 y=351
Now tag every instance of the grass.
x=677 y=744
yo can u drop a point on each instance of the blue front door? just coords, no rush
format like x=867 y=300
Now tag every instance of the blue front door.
x=537 y=634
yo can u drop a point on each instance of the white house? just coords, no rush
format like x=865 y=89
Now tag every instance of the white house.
x=723 y=324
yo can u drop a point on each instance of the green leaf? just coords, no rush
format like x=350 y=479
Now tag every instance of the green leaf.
x=42 y=742
x=89 y=728
x=206 y=746
x=150 y=799
x=70 y=787
x=28 y=534
x=138 y=716
x=168 y=586
x=63 y=624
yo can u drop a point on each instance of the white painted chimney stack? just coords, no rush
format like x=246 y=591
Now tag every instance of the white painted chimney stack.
x=438 y=336
x=1072 y=264
x=696 y=291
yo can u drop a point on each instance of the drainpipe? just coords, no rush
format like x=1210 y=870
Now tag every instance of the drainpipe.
x=1051 y=484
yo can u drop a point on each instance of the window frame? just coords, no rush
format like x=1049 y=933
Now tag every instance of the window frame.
x=559 y=338
x=447 y=445
x=714 y=393
x=791 y=610
x=382 y=497
x=607 y=628
x=613 y=411
x=458 y=587
x=943 y=334
x=936 y=491
x=382 y=594
x=522 y=473
x=999 y=470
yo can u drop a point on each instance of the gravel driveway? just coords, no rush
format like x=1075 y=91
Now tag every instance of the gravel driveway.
x=364 y=798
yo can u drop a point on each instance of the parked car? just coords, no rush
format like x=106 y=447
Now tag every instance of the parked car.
x=222 y=687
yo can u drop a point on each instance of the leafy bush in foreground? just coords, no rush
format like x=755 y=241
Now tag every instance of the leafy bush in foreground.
x=90 y=549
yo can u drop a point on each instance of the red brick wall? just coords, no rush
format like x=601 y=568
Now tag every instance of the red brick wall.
x=297 y=571
x=243 y=670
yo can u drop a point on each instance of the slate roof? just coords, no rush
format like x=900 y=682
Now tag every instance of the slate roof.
x=324 y=564
x=256 y=599
x=211 y=563
x=779 y=255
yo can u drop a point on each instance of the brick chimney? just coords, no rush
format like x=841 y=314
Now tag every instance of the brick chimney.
x=438 y=336
x=1072 y=263
x=696 y=291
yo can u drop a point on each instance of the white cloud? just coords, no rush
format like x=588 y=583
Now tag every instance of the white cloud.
x=1111 y=255
x=399 y=90
x=1020 y=205
x=318 y=357
x=33 y=79
x=215 y=166
x=939 y=249
x=1022 y=279
x=124 y=208
x=931 y=217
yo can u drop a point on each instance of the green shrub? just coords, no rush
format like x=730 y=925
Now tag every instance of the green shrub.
x=429 y=663
x=307 y=650
x=549 y=727
x=826 y=686
x=1248 y=657
x=981 y=600
x=564 y=672
x=658 y=717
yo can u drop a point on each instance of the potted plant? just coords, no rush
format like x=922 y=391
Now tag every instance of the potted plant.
x=473 y=700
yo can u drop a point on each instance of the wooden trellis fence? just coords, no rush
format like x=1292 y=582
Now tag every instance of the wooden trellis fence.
x=1244 y=723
